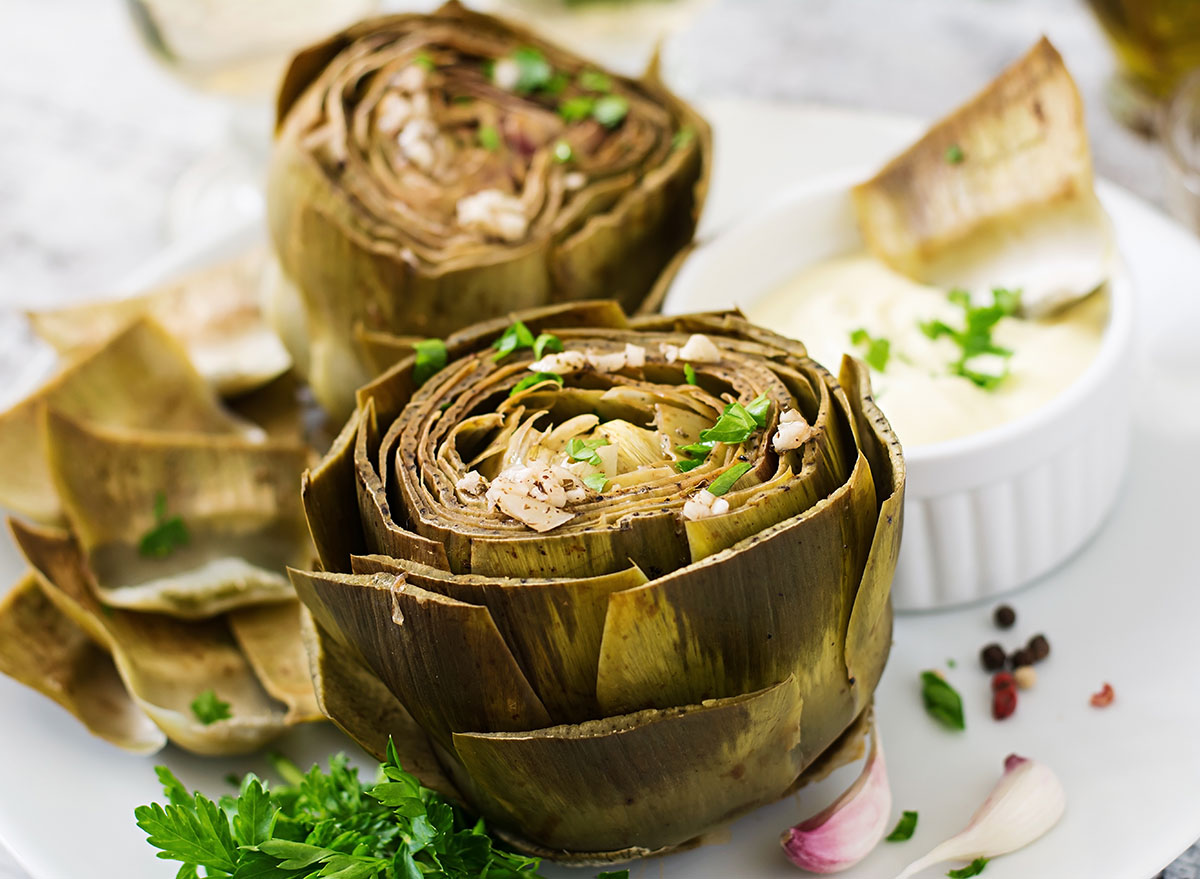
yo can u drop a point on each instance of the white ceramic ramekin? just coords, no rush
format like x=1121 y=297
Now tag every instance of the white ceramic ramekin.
x=985 y=513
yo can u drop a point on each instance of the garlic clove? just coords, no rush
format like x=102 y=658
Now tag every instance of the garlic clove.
x=1026 y=802
x=846 y=831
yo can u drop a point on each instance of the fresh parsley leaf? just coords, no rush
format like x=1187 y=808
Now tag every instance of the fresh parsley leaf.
x=516 y=336
x=904 y=828
x=610 y=110
x=197 y=833
x=168 y=534
x=974 y=338
x=954 y=154
x=878 y=351
x=683 y=137
x=431 y=359
x=173 y=788
x=424 y=60
x=689 y=374
x=534 y=378
x=576 y=109
x=535 y=71
x=595 y=481
x=758 y=409
x=972 y=869
x=725 y=481
x=688 y=464
x=563 y=152
x=585 y=450
x=489 y=138
x=735 y=425
x=209 y=709
x=546 y=342
x=942 y=701
x=595 y=81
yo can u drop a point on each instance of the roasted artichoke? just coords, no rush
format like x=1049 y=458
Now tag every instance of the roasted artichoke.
x=612 y=581
x=434 y=170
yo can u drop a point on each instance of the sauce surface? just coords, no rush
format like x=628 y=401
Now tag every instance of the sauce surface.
x=924 y=401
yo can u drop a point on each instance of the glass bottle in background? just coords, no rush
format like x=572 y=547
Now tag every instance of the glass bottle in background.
x=1157 y=43
x=236 y=49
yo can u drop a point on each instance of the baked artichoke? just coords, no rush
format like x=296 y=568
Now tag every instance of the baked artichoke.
x=434 y=170
x=611 y=581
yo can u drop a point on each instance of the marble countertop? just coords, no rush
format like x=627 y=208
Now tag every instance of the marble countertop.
x=94 y=133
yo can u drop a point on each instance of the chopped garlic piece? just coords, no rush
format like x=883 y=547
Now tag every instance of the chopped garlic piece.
x=607 y=362
x=411 y=79
x=575 y=180
x=536 y=496
x=700 y=349
x=494 y=213
x=416 y=141
x=670 y=352
x=472 y=483
x=391 y=113
x=506 y=73
x=564 y=363
x=793 y=431
x=704 y=504
x=635 y=355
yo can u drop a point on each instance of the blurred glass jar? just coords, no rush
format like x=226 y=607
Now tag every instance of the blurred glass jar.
x=1157 y=43
x=238 y=47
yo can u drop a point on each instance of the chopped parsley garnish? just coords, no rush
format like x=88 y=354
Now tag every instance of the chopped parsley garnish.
x=954 y=154
x=974 y=339
x=585 y=450
x=725 y=481
x=534 y=71
x=546 y=342
x=610 y=110
x=688 y=464
x=489 y=137
x=556 y=84
x=516 y=336
x=904 y=828
x=563 y=152
x=168 y=534
x=576 y=109
x=758 y=409
x=683 y=137
x=877 y=352
x=942 y=701
x=735 y=425
x=424 y=60
x=326 y=823
x=596 y=483
x=972 y=869
x=431 y=358
x=595 y=81
x=689 y=374
x=209 y=709
x=535 y=378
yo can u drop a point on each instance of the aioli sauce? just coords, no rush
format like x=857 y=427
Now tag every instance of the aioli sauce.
x=922 y=399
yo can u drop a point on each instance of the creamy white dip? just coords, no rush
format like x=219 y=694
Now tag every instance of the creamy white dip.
x=922 y=399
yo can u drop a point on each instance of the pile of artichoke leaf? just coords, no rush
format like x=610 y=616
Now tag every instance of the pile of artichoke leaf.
x=157 y=520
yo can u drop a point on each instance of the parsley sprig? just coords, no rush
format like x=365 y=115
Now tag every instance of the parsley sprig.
x=168 y=534
x=209 y=709
x=974 y=338
x=326 y=824
x=516 y=336
x=735 y=425
x=579 y=449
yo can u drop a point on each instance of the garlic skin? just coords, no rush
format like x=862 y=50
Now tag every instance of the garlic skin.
x=1026 y=802
x=847 y=830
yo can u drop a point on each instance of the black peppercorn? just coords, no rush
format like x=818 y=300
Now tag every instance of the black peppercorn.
x=1021 y=657
x=993 y=657
x=1005 y=616
x=1039 y=647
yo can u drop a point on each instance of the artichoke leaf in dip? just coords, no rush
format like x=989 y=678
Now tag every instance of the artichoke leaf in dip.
x=232 y=504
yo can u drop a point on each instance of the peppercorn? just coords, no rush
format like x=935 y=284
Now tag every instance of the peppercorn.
x=1039 y=647
x=1025 y=677
x=993 y=657
x=1002 y=680
x=1004 y=617
x=1021 y=657
x=1004 y=701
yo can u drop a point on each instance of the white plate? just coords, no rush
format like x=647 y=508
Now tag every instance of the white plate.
x=1126 y=610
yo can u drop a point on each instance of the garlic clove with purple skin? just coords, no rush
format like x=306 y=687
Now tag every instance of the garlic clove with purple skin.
x=1026 y=802
x=847 y=830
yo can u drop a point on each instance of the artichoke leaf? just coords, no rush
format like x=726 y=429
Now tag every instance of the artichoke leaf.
x=363 y=708
x=560 y=655
x=42 y=648
x=443 y=659
x=214 y=313
x=139 y=379
x=164 y=663
x=235 y=498
x=650 y=776
x=327 y=491
x=269 y=637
